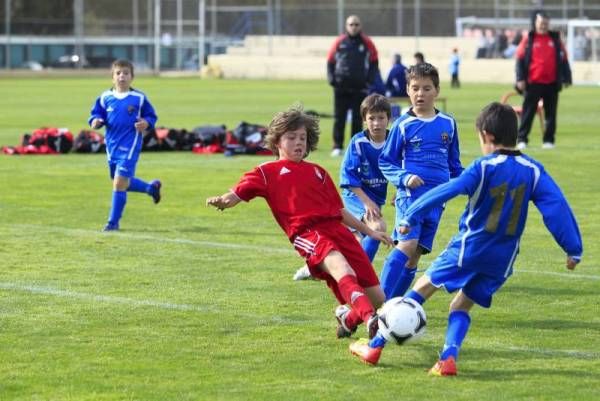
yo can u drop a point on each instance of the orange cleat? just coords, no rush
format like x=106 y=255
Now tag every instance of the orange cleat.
x=444 y=367
x=366 y=354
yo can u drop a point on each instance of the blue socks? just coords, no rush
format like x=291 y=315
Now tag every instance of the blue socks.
x=390 y=274
x=396 y=278
x=137 y=185
x=370 y=246
x=412 y=294
x=377 y=342
x=458 y=326
x=407 y=275
x=119 y=198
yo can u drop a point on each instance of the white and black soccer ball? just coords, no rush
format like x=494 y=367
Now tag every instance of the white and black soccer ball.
x=402 y=320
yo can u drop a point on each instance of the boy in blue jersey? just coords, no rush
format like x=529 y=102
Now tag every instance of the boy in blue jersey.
x=364 y=188
x=126 y=113
x=480 y=258
x=421 y=152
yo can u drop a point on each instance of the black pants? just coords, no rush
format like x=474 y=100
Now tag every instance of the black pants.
x=455 y=82
x=343 y=101
x=532 y=95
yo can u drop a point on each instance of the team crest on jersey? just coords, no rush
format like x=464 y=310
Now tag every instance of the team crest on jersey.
x=318 y=173
x=365 y=168
x=131 y=109
x=416 y=142
x=445 y=138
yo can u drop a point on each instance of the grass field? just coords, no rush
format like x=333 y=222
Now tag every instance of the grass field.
x=186 y=303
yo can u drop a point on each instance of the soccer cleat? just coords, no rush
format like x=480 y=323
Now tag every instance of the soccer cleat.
x=366 y=354
x=342 y=331
x=444 y=367
x=337 y=152
x=111 y=227
x=548 y=145
x=373 y=326
x=522 y=145
x=303 y=274
x=155 y=190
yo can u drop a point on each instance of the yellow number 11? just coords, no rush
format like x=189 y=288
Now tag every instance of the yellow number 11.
x=499 y=194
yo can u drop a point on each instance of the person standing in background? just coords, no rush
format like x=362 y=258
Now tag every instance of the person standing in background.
x=395 y=84
x=453 y=68
x=352 y=64
x=542 y=70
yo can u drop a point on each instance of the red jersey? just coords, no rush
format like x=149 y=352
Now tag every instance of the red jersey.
x=542 y=68
x=300 y=195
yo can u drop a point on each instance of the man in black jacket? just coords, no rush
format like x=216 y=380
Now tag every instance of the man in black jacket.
x=352 y=64
x=542 y=70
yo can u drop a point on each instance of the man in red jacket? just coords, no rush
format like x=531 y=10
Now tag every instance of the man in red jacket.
x=352 y=64
x=542 y=70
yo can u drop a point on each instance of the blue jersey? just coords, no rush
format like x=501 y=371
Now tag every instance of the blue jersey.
x=427 y=147
x=120 y=111
x=500 y=186
x=360 y=169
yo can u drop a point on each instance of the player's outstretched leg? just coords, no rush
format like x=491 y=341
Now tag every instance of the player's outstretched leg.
x=152 y=188
x=459 y=322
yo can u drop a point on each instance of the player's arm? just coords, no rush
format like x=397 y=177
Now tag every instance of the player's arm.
x=372 y=209
x=352 y=222
x=521 y=68
x=464 y=184
x=558 y=218
x=351 y=180
x=97 y=115
x=147 y=117
x=225 y=201
x=454 y=165
x=390 y=161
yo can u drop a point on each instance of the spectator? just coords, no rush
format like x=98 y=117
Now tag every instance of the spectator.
x=395 y=85
x=352 y=65
x=453 y=68
x=542 y=69
x=377 y=86
x=419 y=58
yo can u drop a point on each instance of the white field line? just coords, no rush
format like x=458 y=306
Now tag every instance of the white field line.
x=39 y=290
x=136 y=237
x=258 y=248
x=107 y=299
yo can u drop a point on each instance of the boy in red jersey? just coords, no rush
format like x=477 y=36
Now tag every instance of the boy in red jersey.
x=305 y=203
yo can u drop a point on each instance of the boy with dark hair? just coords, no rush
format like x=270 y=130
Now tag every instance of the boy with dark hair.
x=420 y=153
x=480 y=258
x=126 y=113
x=307 y=206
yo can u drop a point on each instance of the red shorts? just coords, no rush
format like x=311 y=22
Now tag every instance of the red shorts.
x=315 y=244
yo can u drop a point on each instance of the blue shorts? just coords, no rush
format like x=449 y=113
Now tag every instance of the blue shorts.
x=479 y=287
x=424 y=231
x=122 y=168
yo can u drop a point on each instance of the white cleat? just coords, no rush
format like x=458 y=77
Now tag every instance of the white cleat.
x=303 y=274
x=548 y=145
x=336 y=152
x=521 y=145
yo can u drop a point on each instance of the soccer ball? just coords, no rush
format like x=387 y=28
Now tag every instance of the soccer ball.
x=402 y=320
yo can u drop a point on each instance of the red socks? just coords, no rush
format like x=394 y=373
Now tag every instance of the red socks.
x=356 y=297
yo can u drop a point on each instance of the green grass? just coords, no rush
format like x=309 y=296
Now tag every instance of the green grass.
x=186 y=303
